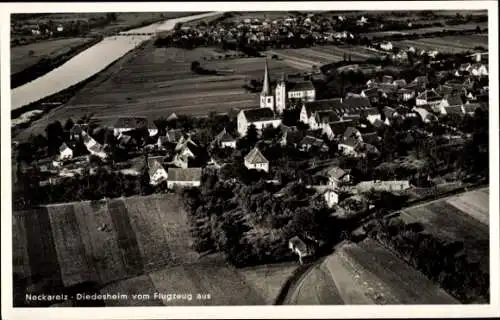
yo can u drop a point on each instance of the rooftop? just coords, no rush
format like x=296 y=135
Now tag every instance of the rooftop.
x=255 y=157
x=184 y=174
x=258 y=114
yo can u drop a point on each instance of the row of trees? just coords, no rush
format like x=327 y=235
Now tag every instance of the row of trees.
x=441 y=261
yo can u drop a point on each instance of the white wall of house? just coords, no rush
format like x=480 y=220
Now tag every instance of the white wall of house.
x=159 y=176
x=257 y=166
x=303 y=115
x=229 y=144
x=280 y=96
x=372 y=117
x=172 y=184
x=331 y=198
x=66 y=154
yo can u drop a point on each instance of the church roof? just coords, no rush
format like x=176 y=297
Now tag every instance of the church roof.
x=266 y=87
x=258 y=114
x=255 y=156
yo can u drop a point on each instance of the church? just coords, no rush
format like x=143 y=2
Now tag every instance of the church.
x=284 y=92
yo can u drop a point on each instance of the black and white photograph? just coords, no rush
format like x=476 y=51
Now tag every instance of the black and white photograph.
x=249 y=155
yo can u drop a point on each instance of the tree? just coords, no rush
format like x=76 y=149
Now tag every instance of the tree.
x=252 y=135
x=69 y=124
x=111 y=16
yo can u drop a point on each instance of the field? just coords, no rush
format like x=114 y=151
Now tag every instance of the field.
x=458 y=218
x=66 y=241
x=366 y=273
x=305 y=58
x=225 y=285
x=155 y=82
x=471 y=26
x=20 y=57
x=449 y=44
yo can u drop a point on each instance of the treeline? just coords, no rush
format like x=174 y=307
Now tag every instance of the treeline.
x=47 y=64
x=103 y=184
x=441 y=261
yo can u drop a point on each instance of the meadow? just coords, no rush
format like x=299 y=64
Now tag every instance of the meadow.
x=448 y=44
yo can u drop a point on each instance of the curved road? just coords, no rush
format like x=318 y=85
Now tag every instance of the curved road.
x=89 y=62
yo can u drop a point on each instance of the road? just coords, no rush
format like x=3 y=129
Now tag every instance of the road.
x=90 y=62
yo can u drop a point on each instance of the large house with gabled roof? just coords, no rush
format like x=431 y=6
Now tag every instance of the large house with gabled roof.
x=259 y=117
x=184 y=177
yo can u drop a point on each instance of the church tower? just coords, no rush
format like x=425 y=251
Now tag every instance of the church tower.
x=281 y=94
x=266 y=96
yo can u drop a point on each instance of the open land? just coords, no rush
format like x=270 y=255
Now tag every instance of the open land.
x=142 y=234
x=459 y=218
x=146 y=248
x=449 y=44
x=365 y=273
x=306 y=58
x=470 y=26
x=155 y=82
x=23 y=57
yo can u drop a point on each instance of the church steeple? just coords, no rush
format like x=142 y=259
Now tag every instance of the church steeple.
x=266 y=96
x=266 y=86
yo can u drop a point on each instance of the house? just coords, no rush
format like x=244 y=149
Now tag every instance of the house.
x=372 y=114
x=430 y=97
x=350 y=141
x=172 y=117
x=387 y=46
x=371 y=138
x=184 y=177
x=330 y=196
x=387 y=79
x=371 y=93
x=309 y=142
x=355 y=104
x=224 y=140
x=479 y=70
x=447 y=102
x=259 y=117
x=399 y=83
x=136 y=167
x=309 y=109
x=470 y=108
x=425 y=114
x=93 y=146
x=301 y=248
x=124 y=124
x=389 y=114
x=255 y=160
x=336 y=177
x=321 y=118
x=60 y=28
x=293 y=90
x=157 y=172
x=75 y=133
x=362 y=21
x=174 y=135
x=388 y=186
x=65 y=153
x=162 y=142
x=337 y=128
x=453 y=110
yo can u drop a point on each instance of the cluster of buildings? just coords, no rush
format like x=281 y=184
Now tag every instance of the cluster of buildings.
x=256 y=30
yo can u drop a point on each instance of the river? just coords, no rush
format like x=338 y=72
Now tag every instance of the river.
x=89 y=62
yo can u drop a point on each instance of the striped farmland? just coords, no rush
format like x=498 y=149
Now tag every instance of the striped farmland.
x=65 y=243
